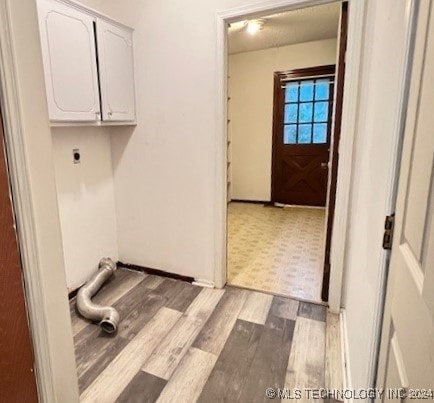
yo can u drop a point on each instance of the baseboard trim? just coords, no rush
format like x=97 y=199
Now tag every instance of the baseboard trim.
x=204 y=283
x=72 y=294
x=346 y=367
x=266 y=202
x=303 y=206
x=155 y=272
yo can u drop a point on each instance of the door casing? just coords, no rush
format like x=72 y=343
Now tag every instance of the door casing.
x=350 y=103
x=334 y=149
x=24 y=114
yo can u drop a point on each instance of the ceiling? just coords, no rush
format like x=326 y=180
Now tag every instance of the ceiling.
x=297 y=26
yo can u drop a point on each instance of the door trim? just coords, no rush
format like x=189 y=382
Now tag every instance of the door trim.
x=296 y=74
x=46 y=344
x=23 y=207
x=334 y=148
x=356 y=21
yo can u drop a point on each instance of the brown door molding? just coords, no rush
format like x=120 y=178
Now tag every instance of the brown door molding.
x=17 y=377
x=335 y=151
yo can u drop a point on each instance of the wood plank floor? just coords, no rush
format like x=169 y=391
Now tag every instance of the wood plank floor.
x=179 y=342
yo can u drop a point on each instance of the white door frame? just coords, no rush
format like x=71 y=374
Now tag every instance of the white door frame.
x=49 y=347
x=22 y=203
x=356 y=18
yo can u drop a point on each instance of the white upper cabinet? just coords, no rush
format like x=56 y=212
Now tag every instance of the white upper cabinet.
x=70 y=63
x=88 y=63
x=116 y=69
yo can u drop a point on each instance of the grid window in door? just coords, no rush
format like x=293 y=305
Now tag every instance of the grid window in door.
x=308 y=104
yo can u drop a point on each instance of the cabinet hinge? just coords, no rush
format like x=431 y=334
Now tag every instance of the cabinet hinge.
x=389 y=226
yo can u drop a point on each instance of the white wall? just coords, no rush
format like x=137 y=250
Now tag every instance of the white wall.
x=250 y=88
x=164 y=169
x=86 y=200
x=373 y=164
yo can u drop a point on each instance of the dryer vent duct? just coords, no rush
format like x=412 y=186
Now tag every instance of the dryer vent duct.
x=107 y=316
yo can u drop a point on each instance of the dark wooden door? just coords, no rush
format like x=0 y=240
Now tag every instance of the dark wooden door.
x=301 y=135
x=17 y=379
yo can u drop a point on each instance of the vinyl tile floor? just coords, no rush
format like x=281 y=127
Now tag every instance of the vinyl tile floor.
x=177 y=342
x=278 y=250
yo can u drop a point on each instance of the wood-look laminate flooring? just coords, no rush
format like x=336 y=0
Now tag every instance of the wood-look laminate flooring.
x=178 y=342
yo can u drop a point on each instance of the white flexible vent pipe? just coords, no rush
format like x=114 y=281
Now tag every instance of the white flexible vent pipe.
x=107 y=316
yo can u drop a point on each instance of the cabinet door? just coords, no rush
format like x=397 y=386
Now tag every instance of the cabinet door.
x=116 y=68
x=69 y=54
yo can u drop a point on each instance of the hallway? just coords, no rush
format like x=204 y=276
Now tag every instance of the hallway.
x=277 y=250
x=179 y=342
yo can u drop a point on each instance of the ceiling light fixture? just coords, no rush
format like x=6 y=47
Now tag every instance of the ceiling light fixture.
x=237 y=25
x=254 y=26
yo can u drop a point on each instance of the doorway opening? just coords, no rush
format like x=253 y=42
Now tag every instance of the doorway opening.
x=285 y=91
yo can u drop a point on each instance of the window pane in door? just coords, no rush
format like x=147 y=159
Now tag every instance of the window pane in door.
x=291 y=92
x=321 y=111
x=320 y=133
x=290 y=134
x=306 y=91
x=304 y=134
x=322 y=89
x=291 y=111
x=306 y=111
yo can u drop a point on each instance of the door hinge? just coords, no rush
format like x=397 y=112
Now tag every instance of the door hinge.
x=389 y=226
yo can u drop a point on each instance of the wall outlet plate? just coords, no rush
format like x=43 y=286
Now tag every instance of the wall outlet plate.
x=76 y=156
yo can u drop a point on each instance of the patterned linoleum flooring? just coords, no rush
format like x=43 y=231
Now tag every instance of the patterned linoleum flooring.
x=278 y=250
x=177 y=342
